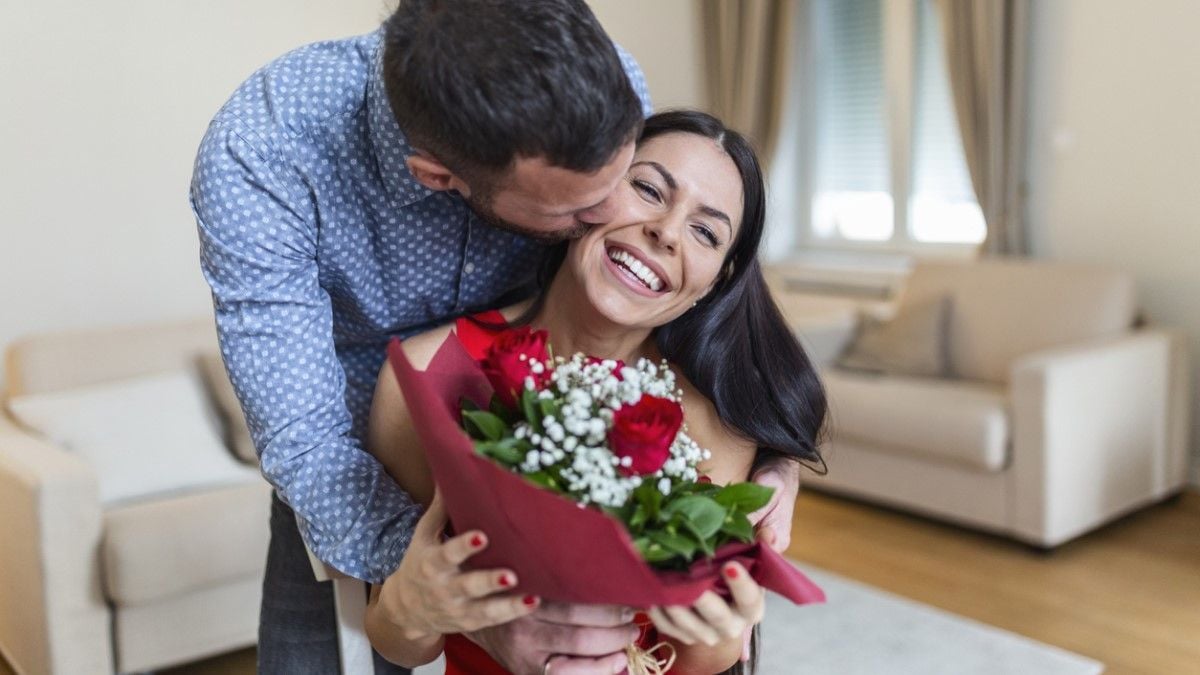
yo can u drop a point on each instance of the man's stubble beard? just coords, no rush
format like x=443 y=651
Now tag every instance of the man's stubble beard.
x=483 y=209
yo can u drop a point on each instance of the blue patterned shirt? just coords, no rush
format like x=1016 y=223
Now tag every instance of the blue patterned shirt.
x=319 y=246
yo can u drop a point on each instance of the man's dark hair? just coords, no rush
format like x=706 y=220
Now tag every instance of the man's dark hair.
x=477 y=83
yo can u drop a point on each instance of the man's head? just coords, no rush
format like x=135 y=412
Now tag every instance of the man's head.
x=522 y=106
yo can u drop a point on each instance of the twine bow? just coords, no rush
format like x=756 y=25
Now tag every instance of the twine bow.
x=644 y=661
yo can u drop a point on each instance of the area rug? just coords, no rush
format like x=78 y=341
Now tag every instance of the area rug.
x=865 y=631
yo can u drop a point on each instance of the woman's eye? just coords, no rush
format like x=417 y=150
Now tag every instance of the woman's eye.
x=707 y=234
x=647 y=190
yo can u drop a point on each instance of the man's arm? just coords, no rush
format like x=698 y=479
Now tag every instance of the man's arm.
x=258 y=251
x=773 y=522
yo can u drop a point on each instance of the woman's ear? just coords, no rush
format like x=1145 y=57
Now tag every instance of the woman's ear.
x=434 y=175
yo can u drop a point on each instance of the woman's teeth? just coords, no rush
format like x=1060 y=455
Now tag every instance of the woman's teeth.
x=643 y=273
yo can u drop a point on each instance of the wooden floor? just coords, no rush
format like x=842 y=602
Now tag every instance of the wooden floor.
x=1128 y=595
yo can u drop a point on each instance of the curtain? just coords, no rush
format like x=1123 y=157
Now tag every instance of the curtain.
x=986 y=44
x=747 y=65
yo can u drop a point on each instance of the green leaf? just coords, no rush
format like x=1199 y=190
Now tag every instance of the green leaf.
x=549 y=408
x=702 y=542
x=638 y=519
x=530 y=408
x=649 y=498
x=703 y=513
x=483 y=424
x=744 y=497
x=465 y=404
x=544 y=479
x=737 y=525
x=674 y=543
x=653 y=552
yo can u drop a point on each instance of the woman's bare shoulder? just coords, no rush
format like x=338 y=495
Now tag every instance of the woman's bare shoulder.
x=421 y=347
x=732 y=453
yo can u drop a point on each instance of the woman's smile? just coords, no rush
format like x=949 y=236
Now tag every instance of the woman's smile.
x=636 y=270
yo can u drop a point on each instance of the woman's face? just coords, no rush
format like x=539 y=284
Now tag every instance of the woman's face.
x=675 y=217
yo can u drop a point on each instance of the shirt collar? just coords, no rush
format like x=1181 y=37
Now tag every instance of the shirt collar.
x=389 y=143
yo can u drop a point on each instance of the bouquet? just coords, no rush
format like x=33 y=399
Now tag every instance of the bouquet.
x=609 y=436
x=586 y=531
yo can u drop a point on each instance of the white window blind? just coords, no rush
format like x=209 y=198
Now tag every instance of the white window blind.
x=879 y=68
x=852 y=196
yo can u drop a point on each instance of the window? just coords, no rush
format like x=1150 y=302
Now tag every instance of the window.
x=888 y=169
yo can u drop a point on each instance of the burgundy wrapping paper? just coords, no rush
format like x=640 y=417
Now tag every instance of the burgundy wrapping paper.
x=558 y=549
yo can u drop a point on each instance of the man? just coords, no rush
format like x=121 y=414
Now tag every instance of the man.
x=356 y=190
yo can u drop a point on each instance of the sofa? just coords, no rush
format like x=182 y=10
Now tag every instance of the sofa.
x=123 y=562
x=1054 y=410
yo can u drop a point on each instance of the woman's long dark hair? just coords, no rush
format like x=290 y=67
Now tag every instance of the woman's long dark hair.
x=734 y=345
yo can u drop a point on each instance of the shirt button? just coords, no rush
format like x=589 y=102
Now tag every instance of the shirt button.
x=468 y=268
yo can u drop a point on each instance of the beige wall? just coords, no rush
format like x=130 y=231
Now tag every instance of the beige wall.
x=1115 y=148
x=105 y=103
x=664 y=36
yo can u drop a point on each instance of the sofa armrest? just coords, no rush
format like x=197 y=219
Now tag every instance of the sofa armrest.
x=1095 y=433
x=53 y=617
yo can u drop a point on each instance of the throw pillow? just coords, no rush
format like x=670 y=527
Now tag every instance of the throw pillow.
x=912 y=343
x=144 y=437
x=237 y=434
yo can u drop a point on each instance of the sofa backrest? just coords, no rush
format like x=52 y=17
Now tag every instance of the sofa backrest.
x=1003 y=309
x=57 y=361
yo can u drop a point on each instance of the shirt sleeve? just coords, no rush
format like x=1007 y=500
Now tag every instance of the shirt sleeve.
x=258 y=252
x=636 y=78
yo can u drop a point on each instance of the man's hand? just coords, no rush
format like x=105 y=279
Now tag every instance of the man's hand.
x=562 y=639
x=773 y=522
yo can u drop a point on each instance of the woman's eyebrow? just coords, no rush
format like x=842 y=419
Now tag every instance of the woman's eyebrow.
x=719 y=215
x=666 y=175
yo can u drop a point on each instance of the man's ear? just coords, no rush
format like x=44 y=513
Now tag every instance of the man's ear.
x=434 y=175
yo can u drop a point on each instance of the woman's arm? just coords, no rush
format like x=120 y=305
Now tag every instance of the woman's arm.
x=429 y=595
x=709 y=636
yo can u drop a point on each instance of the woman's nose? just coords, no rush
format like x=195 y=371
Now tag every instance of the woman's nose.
x=663 y=230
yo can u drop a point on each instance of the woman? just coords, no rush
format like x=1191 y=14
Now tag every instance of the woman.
x=673 y=275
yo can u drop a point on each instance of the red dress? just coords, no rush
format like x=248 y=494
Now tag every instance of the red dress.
x=464 y=657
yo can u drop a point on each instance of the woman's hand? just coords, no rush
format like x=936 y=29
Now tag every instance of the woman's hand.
x=429 y=595
x=712 y=620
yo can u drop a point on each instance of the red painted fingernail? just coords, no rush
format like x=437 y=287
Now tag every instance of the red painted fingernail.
x=530 y=600
x=477 y=541
x=506 y=580
x=731 y=572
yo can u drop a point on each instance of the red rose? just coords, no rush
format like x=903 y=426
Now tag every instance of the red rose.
x=644 y=433
x=507 y=362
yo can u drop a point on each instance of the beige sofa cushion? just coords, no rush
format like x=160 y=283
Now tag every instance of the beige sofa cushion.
x=164 y=548
x=959 y=422
x=144 y=437
x=911 y=343
x=1004 y=309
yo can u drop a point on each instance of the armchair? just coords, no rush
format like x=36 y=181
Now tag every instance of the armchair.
x=136 y=585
